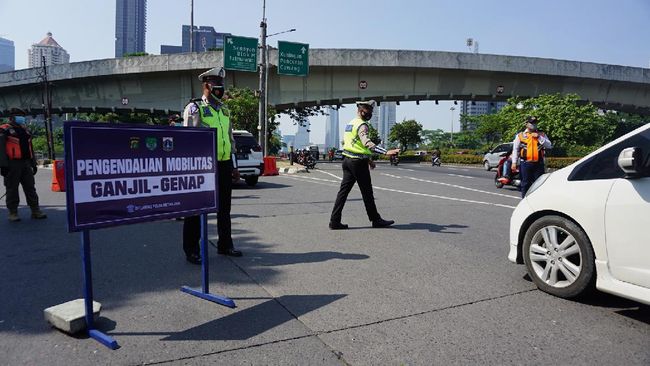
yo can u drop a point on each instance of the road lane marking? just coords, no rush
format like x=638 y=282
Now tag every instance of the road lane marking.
x=464 y=188
x=408 y=170
x=330 y=174
x=392 y=176
x=319 y=180
x=461 y=176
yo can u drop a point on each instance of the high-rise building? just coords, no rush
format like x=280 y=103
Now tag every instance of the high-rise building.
x=7 y=55
x=130 y=26
x=205 y=39
x=387 y=119
x=471 y=108
x=302 y=136
x=332 y=138
x=50 y=49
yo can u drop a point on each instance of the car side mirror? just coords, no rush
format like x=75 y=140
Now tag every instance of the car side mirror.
x=631 y=161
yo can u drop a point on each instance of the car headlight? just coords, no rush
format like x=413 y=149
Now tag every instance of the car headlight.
x=538 y=183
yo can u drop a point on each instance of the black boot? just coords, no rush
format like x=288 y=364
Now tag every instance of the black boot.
x=379 y=223
x=337 y=226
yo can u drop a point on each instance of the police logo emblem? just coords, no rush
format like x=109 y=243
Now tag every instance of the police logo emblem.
x=348 y=128
x=168 y=143
x=207 y=112
x=151 y=143
x=134 y=143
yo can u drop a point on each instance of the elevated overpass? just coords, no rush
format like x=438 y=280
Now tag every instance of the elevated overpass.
x=336 y=76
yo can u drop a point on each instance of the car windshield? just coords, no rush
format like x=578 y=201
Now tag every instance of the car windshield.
x=245 y=143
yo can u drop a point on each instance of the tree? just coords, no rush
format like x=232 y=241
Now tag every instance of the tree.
x=491 y=129
x=564 y=121
x=406 y=133
x=373 y=135
x=434 y=138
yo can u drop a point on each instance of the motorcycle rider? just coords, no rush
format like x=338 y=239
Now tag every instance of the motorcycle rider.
x=529 y=147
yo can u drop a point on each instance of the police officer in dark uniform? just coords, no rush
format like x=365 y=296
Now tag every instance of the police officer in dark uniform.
x=357 y=162
x=209 y=111
x=18 y=165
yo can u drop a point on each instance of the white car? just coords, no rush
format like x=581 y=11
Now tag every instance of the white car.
x=584 y=226
x=491 y=158
x=249 y=156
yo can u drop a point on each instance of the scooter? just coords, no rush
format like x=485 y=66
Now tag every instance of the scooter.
x=394 y=159
x=500 y=180
x=435 y=160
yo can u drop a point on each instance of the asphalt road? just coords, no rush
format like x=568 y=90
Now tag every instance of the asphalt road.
x=435 y=289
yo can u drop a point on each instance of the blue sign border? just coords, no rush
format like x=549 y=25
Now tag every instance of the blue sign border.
x=70 y=167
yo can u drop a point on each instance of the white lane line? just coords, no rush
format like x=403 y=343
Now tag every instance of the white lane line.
x=461 y=176
x=392 y=176
x=453 y=169
x=319 y=180
x=408 y=170
x=444 y=197
x=330 y=174
x=465 y=188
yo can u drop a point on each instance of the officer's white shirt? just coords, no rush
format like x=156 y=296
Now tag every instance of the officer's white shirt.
x=192 y=118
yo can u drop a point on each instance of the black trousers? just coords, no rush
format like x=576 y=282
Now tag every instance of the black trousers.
x=192 y=224
x=355 y=171
x=20 y=173
x=529 y=173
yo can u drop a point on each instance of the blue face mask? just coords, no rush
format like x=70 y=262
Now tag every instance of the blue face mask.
x=20 y=120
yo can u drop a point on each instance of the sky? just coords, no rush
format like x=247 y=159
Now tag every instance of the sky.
x=601 y=31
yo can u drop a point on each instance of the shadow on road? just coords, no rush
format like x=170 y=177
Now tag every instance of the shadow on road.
x=249 y=322
x=434 y=228
x=283 y=259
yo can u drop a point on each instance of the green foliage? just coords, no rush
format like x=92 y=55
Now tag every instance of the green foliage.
x=466 y=140
x=434 y=138
x=624 y=123
x=243 y=107
x=558 y=163
x=406 y=133
x=490 y=128
x=135 y=54
x=461 y=159
x=373 y=135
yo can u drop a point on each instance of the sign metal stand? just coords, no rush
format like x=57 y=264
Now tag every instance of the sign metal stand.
x=204 y=293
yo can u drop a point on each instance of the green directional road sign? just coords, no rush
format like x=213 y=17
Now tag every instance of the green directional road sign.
x=240 y=53
x=293 y=58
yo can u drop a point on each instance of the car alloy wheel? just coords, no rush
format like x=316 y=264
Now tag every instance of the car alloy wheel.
x=559 y=257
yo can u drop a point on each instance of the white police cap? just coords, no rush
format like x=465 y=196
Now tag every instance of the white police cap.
x=217 y=72
x=370 y=103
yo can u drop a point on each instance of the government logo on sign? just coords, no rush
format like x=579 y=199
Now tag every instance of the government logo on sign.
x=168 y=143
x=134 y=143
x=151 y=143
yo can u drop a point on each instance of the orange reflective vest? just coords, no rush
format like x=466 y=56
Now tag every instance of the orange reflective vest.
x=12 y=144
x=530 y=149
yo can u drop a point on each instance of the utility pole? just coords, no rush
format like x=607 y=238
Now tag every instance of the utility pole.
x=47 y=111
x=191 y=25
x=451 y=138
x=261 y=126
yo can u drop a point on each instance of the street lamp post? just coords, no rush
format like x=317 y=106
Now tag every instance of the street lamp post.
x=264 y=69
x=451 y=137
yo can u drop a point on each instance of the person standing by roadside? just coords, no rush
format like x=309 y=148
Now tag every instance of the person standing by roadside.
x=18 y=165
x=528 y=150
x=209 y=112
x=357 y=162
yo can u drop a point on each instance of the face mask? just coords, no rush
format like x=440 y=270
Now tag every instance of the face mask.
x=366 y=116
x=217 y=91
x=20 y=120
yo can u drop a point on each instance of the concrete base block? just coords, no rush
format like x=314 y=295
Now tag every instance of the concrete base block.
x=70 y=316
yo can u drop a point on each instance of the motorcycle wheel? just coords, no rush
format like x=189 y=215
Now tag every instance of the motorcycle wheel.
x=497 y=183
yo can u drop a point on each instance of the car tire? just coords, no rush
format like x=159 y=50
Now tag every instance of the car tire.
x=562 y=260
x=252 y=180
x=487 y=166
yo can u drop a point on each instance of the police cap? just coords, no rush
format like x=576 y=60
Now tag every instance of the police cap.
x=366 y=103
x=215 y=74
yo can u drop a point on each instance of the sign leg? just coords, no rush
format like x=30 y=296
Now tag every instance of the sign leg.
x=205 y=273
x=102 y=338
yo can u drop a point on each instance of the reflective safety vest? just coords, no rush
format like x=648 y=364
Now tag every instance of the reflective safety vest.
x=352 y=145
x=530 y=149
x=13 y=147
x=215 y=118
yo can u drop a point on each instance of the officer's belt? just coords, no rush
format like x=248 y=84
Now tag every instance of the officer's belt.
x=352 y=155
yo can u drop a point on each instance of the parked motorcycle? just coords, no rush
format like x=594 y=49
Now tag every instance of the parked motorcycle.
x=305 y=158
x=500 y=181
